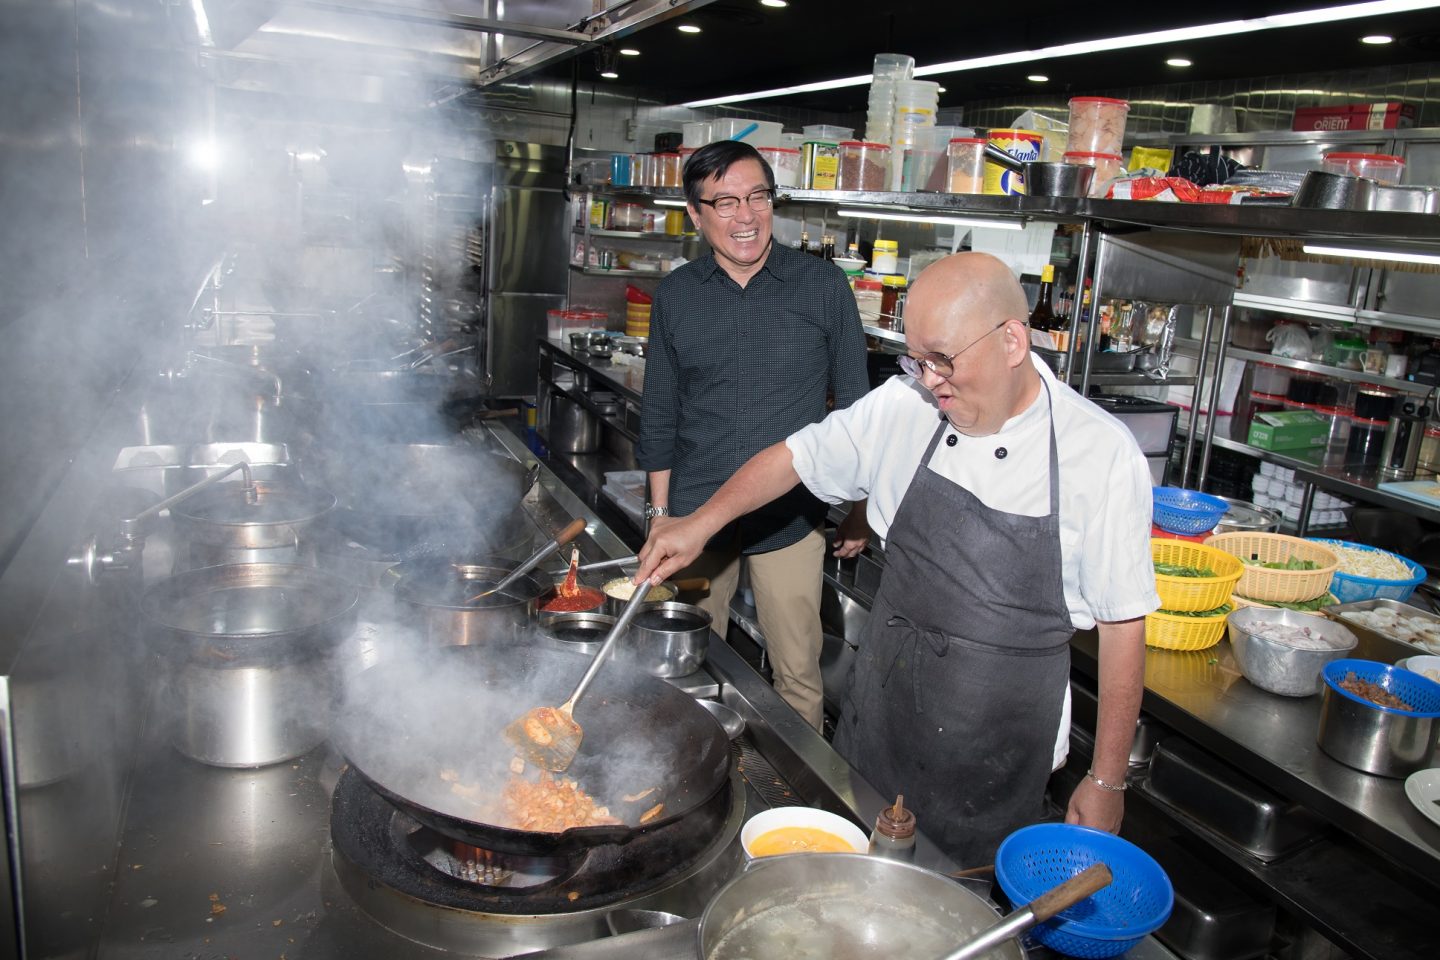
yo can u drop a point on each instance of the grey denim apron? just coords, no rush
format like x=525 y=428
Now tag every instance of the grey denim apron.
x=955 y=694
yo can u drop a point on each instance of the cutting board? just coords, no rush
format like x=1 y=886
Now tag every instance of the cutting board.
x=1422 y=491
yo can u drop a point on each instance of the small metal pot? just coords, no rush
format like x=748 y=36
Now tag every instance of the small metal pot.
x=1334 y=191
x=581 y=633
x=667 y=639
x=1044 y=179
x=247 y=652
x=1387 y=743
x=440 y=591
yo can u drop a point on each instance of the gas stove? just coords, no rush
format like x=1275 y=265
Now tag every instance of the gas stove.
x=439 y=892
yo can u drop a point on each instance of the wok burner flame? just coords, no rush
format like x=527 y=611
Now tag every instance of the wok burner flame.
x=485 y=868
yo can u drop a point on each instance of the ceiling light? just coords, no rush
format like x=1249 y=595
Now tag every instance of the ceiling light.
x=1038 y=78
x=668 y=203
x=1377 y=39
x=777 y=4
x=610 y=75
x=940 y=90
x=688 y=28
x=1371 y=253
x=924 y=218
x=629 y=52
x=1171 y=38
x=1179 y=62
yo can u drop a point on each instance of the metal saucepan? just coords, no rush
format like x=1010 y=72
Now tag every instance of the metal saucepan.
x=843 y=904
x=1044 y=179
x=406 y=722
x=441 y=591
x=667 y=639
x=223 y=516
x=1334 y=191
x=247 y=651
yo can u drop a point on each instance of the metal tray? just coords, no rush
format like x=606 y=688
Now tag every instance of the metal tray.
x=1263 y=823
x=1338 y=611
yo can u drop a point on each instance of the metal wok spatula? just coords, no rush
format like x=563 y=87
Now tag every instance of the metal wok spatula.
x=1042 y=908
x=549 y=737
x=572 y=530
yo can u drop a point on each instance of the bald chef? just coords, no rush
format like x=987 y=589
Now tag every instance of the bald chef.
x=1020 y=517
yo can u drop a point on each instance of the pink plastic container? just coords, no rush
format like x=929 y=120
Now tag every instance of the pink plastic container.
x=1377 y=166
x=1097 y=124
x=1107 y=167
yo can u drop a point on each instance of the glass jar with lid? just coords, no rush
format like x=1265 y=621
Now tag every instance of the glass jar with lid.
x=892 y=293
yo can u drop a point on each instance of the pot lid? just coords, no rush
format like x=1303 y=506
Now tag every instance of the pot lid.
x=226 y=504
x=1242 y=515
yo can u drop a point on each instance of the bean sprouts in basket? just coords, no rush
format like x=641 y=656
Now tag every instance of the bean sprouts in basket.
x=1371 y=563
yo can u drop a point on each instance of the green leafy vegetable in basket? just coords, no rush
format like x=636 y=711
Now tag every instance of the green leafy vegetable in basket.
x=1219 y=611
x=1304 y=606
x=1176 y=570
x=1292 y=563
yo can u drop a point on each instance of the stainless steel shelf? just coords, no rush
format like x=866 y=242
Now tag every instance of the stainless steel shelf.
x=632 y=234
x=597 y=272
x=1334 y=479
x=884 y=333
x=1354 y=376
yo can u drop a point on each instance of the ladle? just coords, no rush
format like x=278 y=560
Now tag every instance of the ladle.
x=572 y=530
x=1042 y=908
x=549 y=737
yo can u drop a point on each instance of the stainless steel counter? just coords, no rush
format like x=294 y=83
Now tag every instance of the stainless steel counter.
x=219 y=862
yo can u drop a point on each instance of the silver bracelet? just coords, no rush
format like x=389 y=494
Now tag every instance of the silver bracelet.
x=1113 y=788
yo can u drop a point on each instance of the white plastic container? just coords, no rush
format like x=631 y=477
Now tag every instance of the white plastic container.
x=898 y=65
x=695 y=134
x=1377 y=166
x=828 y=131
x=757 y=133
x=885 y=257
x=785 y=163
x=1107 y=166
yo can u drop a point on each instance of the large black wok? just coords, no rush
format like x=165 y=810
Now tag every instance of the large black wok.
x=402 y=723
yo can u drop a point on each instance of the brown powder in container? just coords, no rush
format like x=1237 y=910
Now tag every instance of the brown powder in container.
x=861 y=167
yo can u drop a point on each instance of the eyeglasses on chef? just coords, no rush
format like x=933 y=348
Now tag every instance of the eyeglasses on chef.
x=937 y=363
x=727 y=207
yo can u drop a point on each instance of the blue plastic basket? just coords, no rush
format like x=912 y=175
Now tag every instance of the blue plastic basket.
x=1419 y=691
x=1349 y=587
x=1036 y=859
x=1188 y=512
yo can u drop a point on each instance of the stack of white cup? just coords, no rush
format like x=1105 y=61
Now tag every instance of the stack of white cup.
x=916 y=102
x=889 y=69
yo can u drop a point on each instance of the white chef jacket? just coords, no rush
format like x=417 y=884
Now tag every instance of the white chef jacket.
x=872 y=449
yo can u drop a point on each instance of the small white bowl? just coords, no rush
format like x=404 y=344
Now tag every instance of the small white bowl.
x=850 y=264
x=1419 y=664
x=777 y=817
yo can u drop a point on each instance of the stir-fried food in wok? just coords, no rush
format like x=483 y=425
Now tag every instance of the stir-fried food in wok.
x=544 y=804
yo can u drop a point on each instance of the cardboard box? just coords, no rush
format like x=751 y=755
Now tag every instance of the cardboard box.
x=1289 y=430
x=1389 y=115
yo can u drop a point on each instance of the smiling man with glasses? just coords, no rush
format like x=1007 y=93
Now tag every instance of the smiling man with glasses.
x=747 y=344
x=1022 y=515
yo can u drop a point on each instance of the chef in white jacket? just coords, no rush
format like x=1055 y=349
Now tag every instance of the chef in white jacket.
x=1013 y=512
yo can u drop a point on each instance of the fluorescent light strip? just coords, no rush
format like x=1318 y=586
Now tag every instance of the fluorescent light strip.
x=668 y=203
x=924 y=218
x=1350 y=11
x=1365 y=253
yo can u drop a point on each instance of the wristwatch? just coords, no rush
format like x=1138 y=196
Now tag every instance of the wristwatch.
x=652 y=511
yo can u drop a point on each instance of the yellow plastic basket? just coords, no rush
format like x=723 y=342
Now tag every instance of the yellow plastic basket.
x=1170 y=632
x=1189 y=594
x=1238 y=601
x=1278 y=586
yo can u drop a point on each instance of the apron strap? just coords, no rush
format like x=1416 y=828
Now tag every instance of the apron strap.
x=910 y=641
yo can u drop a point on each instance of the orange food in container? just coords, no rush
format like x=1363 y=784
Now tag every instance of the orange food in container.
x=1107 y=166
x=1097 y=124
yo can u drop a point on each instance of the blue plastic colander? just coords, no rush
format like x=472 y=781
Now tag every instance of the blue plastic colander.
x=1034 y=860
x=1422 y=693
x=1188 y=512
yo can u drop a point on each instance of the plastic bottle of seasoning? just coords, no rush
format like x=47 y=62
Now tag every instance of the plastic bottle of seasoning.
x=892 y=287
x=886 y=256
x=894 y=835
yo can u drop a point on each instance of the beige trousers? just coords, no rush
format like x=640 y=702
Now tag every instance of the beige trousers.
x=787 y=598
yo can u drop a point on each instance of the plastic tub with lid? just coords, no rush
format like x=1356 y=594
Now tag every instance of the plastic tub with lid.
x=863 y=166
x=667 y=169
x=1097 y=124
x=1107 y=166
x=1383 y=167
x=827 y=131
x=886 y=257
x=785 y=163
x=966 y=159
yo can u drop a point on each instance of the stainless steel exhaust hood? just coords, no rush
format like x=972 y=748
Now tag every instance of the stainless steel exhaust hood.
x=486 y=41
